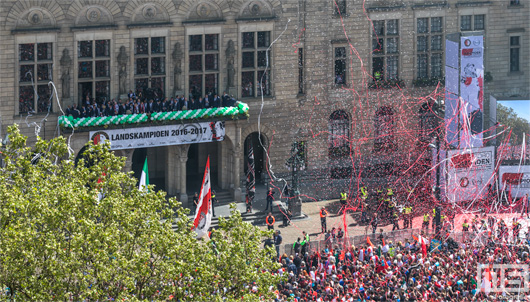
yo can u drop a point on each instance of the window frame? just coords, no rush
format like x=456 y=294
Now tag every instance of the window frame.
x=340 y=8
x=301 y=74
x=426 y=56
x=33 y=84
x=340 y=58
x=385 y=142
x=257 y=71
x=339 y=134
x=160 y=77
x=91 y=62
x=472 y=22
x=518 y=48
x=203 y=72
x=385 y=36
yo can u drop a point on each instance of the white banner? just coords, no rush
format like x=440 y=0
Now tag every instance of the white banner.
x=156 y=136
x=452 y=85
x=469 y=172
x=515 y=179
x=472 y=90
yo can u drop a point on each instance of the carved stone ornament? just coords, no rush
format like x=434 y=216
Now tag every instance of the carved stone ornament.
x=93 y=14
x=149 y=11
x=35 y=17
x=255 y=8
x=203 y=10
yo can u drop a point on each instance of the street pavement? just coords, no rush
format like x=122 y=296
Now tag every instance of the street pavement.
x=349 y=222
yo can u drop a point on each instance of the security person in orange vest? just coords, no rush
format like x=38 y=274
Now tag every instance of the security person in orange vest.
x=323 y=215
x=270 y=220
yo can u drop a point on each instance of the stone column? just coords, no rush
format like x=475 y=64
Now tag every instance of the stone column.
x=236 y=180
x=236 y=154
x=171 y=171
x=183 y=196
x=128 y=154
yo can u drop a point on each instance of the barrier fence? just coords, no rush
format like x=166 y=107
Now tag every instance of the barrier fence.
x=479 y=239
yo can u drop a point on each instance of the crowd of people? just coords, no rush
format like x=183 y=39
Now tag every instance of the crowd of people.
x=410 y=270
x=136 y=104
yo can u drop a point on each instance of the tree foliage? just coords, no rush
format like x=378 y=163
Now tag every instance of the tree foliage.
x=61 y=241
x=519 y=126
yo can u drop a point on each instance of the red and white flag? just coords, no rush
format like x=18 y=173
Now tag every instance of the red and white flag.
x=423 y=242
x=203 y=214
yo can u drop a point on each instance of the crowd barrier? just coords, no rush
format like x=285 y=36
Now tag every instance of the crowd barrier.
x=403 y=235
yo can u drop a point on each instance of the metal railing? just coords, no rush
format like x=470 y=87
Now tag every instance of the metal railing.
x=477 y=239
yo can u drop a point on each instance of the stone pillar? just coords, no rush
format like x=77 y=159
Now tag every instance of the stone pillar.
x=236 y=180
x=236 y=154
x=128 y=154
x=183 y=196
x=171 y=171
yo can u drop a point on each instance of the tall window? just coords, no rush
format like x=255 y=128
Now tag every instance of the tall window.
x=515 y=49
x=384 y=130
x=339 y=7
x=472 y=22
x=93 y=76
x=340 y=65
x=255 y=68
x=385 y=50
x=428 y=121
x=429 y=47
x=204 y=64
x=150 y=66
x=339 y=134
x=35 y=71
x=300 y=70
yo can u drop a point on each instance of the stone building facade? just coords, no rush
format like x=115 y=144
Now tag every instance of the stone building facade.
x=346 y=77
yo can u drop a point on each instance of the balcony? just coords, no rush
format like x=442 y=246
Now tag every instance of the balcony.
x=238 y=111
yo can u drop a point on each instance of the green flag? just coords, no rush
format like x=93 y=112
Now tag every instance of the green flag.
x=144 y=178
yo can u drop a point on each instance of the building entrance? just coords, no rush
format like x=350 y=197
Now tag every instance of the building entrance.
x=257 y=142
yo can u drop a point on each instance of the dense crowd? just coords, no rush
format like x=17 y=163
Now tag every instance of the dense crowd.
x=406 y=271
x=136 y=104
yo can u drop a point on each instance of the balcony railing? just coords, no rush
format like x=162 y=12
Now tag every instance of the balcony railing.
x=240 y=110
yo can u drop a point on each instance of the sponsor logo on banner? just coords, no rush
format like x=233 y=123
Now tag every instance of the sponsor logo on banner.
x=469 y=172
x=99 y=137
x=472 y=52
x=515 y=179
x=467 y=42
x=479 y=160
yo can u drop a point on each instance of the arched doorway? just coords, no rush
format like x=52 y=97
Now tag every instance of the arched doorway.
x=156 y=163
x=258 y=142
x=197 y=156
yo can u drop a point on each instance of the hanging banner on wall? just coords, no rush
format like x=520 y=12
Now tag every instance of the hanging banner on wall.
x=156 y=136
x=472 y=90
x=515 y=179
x=452 y=85
x=469 y=172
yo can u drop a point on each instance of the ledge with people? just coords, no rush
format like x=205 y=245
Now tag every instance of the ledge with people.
x=138 y=109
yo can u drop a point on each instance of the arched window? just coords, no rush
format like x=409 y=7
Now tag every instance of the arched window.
x=339 y=134
x=384 y=130
x=427 y=119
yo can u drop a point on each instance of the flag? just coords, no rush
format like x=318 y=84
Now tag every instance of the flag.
x=423 y=242
x=251 y=174
x=203 y=215
x=369 y=242
x=144 y=178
